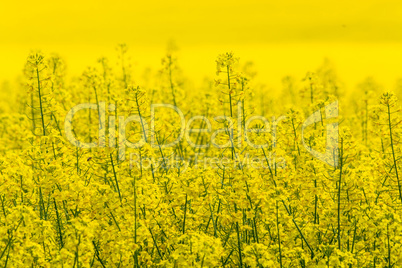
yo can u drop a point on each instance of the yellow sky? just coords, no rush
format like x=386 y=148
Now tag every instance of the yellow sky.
x=281 y=37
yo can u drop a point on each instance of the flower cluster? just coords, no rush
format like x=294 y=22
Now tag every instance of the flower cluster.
x=66 y=206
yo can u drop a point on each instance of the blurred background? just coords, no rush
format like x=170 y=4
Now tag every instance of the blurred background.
x=360 y=38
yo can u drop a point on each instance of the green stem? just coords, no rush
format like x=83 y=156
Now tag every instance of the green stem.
x=40 y=103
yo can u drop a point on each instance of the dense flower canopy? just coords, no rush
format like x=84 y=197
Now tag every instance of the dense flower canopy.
x=244 y=186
